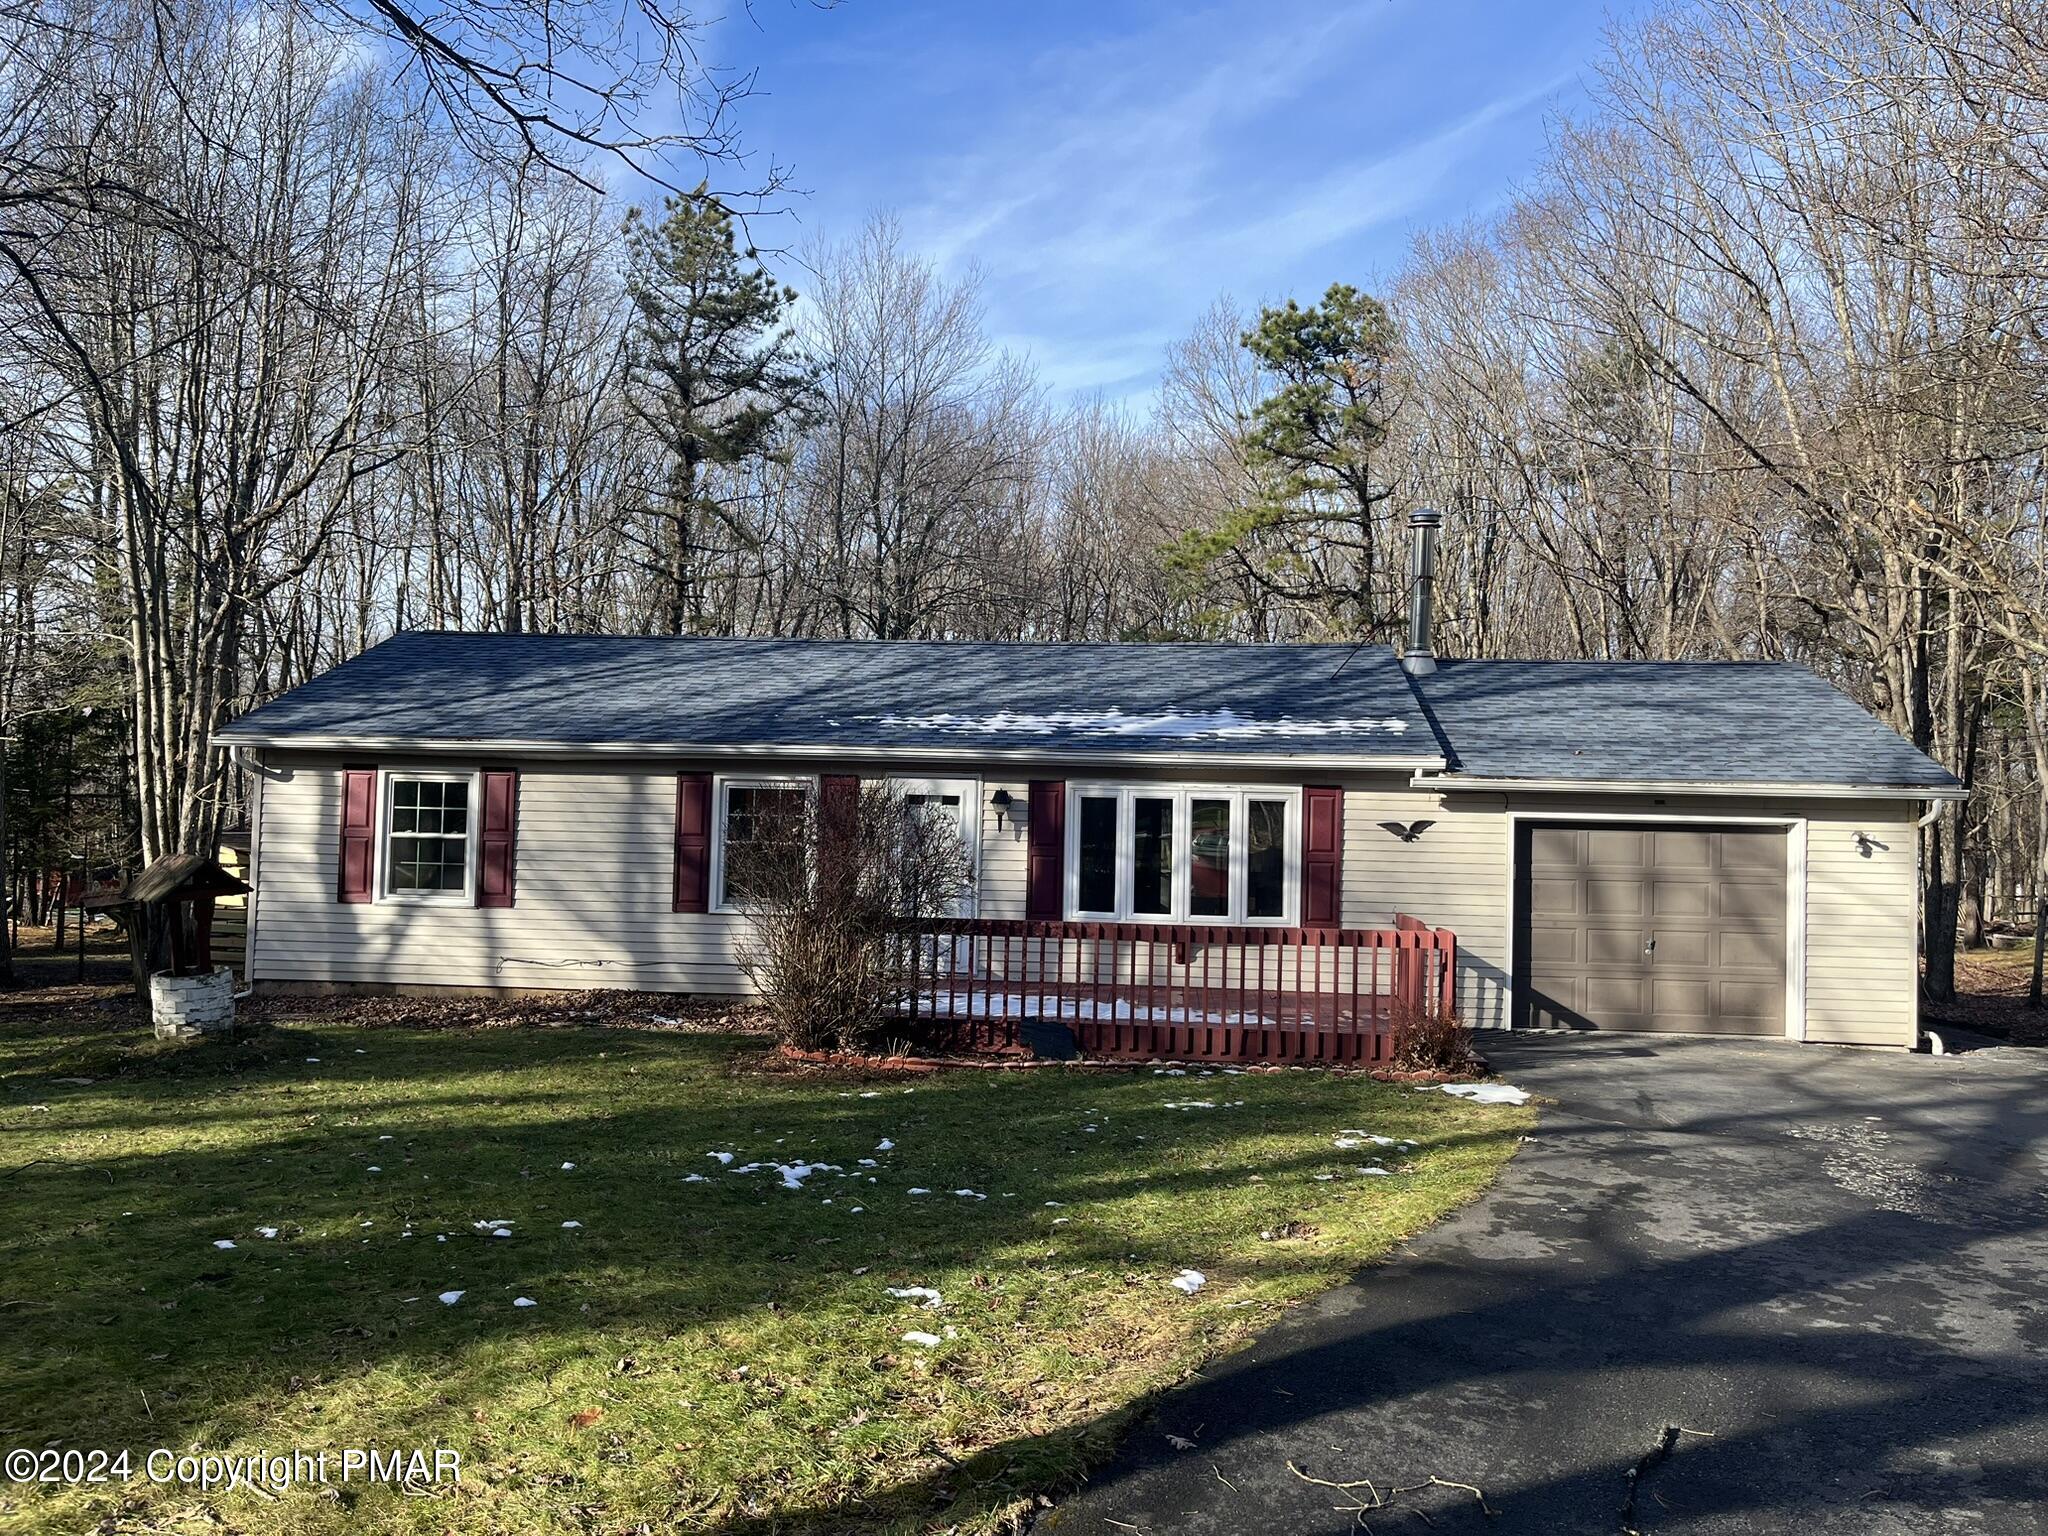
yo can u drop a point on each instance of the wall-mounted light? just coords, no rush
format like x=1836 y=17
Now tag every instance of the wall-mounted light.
x=1001 y=801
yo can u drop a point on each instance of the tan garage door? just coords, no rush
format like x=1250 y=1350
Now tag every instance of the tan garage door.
x=1651 y=927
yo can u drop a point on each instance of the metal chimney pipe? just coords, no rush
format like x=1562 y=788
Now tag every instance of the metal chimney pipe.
x=1418 y=657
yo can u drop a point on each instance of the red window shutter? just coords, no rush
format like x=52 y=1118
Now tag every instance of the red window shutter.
x=497 y=838
x=693 y=842
x=1322 y=857
x=1045 y=831
x=838 y=823
x=356 y=859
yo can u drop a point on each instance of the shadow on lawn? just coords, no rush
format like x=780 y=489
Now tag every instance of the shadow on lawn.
x=223 y=1340
x=1932 y=1417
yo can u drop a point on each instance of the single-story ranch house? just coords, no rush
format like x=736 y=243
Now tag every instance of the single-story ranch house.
x=1722 y=848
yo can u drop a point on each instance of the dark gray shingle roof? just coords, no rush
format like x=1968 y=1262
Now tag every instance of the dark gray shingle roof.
x=1674 y=722
x=1651 y=722
x=955 y=697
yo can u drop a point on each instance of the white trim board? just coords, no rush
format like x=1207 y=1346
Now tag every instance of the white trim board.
x=838 y=752
x=1453 y=783
x=1795 y=891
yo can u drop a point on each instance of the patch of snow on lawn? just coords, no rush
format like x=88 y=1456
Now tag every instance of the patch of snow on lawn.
x=223 y=1242
x=885 y=1145
x=695 y=1178
x=568 y=1224
x=1192 y=1104
x=922 y=1339
x=524 y=1301
x=917 y=1190
x=923 y=1294
x=1189 y=1281
x=970 y=1194
x=1486 y=1093
x=449 y=1298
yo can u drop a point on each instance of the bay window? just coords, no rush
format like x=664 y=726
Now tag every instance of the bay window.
x=1170 y=853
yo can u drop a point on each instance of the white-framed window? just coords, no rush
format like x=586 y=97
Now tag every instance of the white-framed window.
x=1183 y=853
x=428 y=846
x=754 y=819
x=957 y=802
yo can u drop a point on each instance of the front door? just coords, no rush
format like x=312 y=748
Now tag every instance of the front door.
x=957 y=804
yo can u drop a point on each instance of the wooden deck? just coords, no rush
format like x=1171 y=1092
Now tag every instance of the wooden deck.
x=1184 y=991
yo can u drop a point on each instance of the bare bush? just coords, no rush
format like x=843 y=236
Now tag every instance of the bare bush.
x=1430 y=1040
x=839 y=892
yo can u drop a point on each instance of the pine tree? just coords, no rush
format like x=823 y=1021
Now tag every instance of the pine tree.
x=715 y=374
x=1313 y=444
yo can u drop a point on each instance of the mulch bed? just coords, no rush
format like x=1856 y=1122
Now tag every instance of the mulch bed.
x=659 y=1011
x=791 y=1061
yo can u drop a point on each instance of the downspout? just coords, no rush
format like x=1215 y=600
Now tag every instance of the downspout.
x=1934 y=1043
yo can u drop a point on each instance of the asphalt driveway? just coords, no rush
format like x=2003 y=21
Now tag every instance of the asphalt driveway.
x=1726 y=1287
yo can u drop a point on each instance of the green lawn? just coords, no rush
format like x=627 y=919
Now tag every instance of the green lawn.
x=710 y=1350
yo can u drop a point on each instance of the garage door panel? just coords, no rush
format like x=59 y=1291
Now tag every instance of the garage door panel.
x=1740 y=950
x=1681 y=898
x=1754 y=906
x=1681 y=1000
x=1605 y=897
x=1616 y=848
x=1750 y=1000
x=1613 y=946
x=1758 y=852
x=1682 y=850
x=1713 y=899
x=1564 y=947
x=1679 y=947
x=1555 y=846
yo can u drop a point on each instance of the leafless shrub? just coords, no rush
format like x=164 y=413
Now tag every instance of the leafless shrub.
x=839 y=893
x=1430 y=1040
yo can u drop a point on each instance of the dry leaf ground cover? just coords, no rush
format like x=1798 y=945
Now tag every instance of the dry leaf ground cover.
x=711 y=1344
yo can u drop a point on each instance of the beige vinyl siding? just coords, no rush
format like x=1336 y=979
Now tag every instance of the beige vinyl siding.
x=1862 y=923
x=1000 y=891
x=1452 y=876
x=594 y=893
x=595 y=857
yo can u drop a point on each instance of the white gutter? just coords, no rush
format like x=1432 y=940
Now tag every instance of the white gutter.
x=1452 y=783
x=513 y=746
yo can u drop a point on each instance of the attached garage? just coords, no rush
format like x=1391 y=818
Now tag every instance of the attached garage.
x=1671 y=927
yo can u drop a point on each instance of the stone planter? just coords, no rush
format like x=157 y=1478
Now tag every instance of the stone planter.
x=182 y=1007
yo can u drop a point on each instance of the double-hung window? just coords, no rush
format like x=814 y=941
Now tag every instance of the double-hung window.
x=761 y=825
x=1170 y=853
x=427 y=837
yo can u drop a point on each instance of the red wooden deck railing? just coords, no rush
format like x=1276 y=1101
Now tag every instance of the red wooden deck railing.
x=1190 y=991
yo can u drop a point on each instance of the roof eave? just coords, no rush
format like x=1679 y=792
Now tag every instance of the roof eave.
x=1450 y=783
x=287 y=741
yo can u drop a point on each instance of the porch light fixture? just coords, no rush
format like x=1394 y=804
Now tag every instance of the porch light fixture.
x=1001 y=801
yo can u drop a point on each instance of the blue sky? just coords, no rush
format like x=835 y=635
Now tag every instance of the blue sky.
x=1113 y=167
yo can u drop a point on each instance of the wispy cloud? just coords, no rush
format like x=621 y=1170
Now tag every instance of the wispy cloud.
x=1110 y=170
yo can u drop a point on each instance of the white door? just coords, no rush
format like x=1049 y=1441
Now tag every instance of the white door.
x=956 y=803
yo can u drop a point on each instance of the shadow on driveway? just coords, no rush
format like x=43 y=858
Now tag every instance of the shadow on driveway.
x=1726 y=1287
